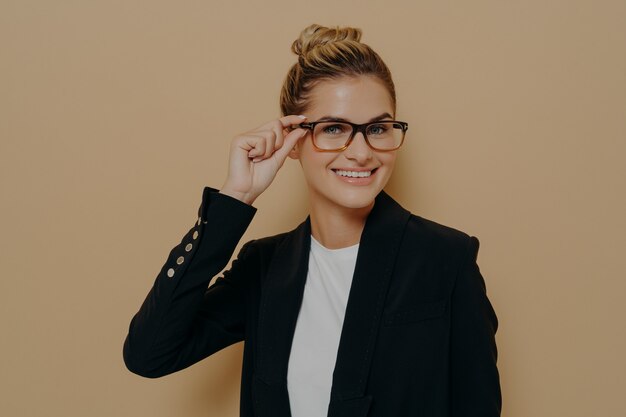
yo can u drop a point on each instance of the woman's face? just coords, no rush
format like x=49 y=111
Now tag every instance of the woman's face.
x=358 y=100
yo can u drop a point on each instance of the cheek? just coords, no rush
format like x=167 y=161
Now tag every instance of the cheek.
x=388 y=159
x=313 y=160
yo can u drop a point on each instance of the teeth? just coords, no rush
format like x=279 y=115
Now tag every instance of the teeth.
x=355 y=174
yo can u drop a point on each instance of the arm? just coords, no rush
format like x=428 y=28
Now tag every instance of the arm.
x=181 y=321
x=475 y=384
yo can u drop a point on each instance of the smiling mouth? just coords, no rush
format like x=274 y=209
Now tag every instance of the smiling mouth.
x=354 y=174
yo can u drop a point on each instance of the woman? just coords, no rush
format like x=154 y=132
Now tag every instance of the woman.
x=364 y=309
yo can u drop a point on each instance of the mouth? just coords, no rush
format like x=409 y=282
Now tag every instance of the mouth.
x=355 y=174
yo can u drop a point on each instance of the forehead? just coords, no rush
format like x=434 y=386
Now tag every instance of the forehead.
x=356 y=99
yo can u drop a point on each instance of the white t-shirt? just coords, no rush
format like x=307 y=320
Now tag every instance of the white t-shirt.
x=318 y=329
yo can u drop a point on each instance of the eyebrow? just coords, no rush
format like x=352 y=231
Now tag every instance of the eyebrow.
x=341 y=119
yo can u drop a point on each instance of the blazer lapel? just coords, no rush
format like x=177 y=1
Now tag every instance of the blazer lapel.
x=281 y=298
x=379 y=245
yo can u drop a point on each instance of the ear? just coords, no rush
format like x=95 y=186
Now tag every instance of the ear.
x=294 y=153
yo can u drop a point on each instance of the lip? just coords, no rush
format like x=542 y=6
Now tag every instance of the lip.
x=354 y=169
x=356 y=180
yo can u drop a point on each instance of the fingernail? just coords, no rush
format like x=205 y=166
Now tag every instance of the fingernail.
x=257 y=160
x=302 y=117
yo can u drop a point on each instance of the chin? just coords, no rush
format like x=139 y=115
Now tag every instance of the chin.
x=345 y=195
x=355 y=199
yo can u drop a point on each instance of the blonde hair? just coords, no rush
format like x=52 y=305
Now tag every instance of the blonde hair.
x=329 y=53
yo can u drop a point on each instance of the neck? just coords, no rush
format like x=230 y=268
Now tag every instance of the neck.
x=337 y=227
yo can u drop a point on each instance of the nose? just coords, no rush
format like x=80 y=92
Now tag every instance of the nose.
x=358 y=150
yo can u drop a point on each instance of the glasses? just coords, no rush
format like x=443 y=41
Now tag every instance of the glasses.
x=334 y=136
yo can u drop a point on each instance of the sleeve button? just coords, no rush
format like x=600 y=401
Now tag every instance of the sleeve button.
x=199 y=219
x=195 y=234
x=180 y=260
x=170 y=272
x=188 y=247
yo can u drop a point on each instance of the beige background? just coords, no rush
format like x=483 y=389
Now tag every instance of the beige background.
x=115 y=114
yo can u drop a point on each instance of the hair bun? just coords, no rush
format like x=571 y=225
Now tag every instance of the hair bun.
x=315 y=35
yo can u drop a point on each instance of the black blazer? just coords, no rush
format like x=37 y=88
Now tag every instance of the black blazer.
x=418 y=337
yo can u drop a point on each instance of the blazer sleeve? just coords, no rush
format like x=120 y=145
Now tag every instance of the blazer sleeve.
x=475 y=383
x=181 y=321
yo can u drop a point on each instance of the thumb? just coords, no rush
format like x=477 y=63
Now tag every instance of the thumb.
x=290 y=141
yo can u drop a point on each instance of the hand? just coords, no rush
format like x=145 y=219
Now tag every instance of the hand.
x=257 y=155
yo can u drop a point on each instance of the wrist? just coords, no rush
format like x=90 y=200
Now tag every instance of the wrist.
x=244 y=197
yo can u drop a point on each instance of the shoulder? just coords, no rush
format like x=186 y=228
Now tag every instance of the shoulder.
x=432 y=246
x=439 y=240
x=431 y=229
x=421 y=231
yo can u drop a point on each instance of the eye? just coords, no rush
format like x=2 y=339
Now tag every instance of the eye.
x=333 y=129
x=377 y=129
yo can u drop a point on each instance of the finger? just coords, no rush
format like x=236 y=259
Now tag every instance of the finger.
x=291 y=122
x=254 y=144
x=270 y=142
x=285 y=122
x=292 y=119
x=279 y=129
x=290 y=141
x=288 y=124
x=265 y=146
